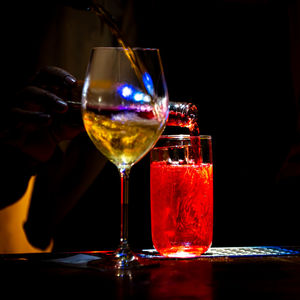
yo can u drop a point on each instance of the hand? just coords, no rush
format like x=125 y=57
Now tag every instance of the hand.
x=39 y=117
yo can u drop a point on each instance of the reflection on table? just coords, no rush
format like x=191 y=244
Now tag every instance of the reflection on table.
x=244 y=273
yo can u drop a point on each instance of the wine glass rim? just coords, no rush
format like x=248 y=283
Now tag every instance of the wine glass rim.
x=185 y=136
x=122 y=49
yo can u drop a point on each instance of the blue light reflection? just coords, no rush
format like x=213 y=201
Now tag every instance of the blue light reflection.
x=131 y=93
x=148 y=83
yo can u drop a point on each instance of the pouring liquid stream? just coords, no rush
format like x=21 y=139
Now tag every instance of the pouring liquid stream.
x=135 y=62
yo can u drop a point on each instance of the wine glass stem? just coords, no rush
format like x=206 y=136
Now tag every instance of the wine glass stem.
x=124 y=173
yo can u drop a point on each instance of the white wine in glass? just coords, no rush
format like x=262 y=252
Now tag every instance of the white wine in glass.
x=125 y=109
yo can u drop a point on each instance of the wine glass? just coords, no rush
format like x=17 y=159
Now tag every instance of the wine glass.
x=124 y=108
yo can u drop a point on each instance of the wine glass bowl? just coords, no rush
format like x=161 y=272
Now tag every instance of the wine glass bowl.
x=124 y=109
x=124 y=112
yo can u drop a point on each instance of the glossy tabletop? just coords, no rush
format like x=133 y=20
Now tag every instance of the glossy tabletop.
x=222 y=273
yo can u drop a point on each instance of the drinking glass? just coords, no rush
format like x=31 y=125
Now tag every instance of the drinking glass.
x=181 y=187
x=124 y=108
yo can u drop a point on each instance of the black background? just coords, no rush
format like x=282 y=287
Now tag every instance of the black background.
x=232 y=59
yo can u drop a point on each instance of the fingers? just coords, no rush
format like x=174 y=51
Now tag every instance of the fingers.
x=51 y=75
x=35 y=99
x=56 y=81
x=41 y=108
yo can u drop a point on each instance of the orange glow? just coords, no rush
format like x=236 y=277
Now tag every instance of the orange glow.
x=12 y=218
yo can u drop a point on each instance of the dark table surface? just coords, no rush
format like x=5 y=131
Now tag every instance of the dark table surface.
x=222 y=273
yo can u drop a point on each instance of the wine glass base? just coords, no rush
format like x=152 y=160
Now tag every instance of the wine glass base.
x=122 y=260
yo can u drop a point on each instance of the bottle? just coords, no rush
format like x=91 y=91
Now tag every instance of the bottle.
x=184 y=115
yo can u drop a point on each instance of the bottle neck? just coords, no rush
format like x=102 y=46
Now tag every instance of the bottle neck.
x=182 y=114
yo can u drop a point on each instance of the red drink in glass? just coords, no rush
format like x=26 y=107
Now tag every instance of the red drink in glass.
x=181 y=203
